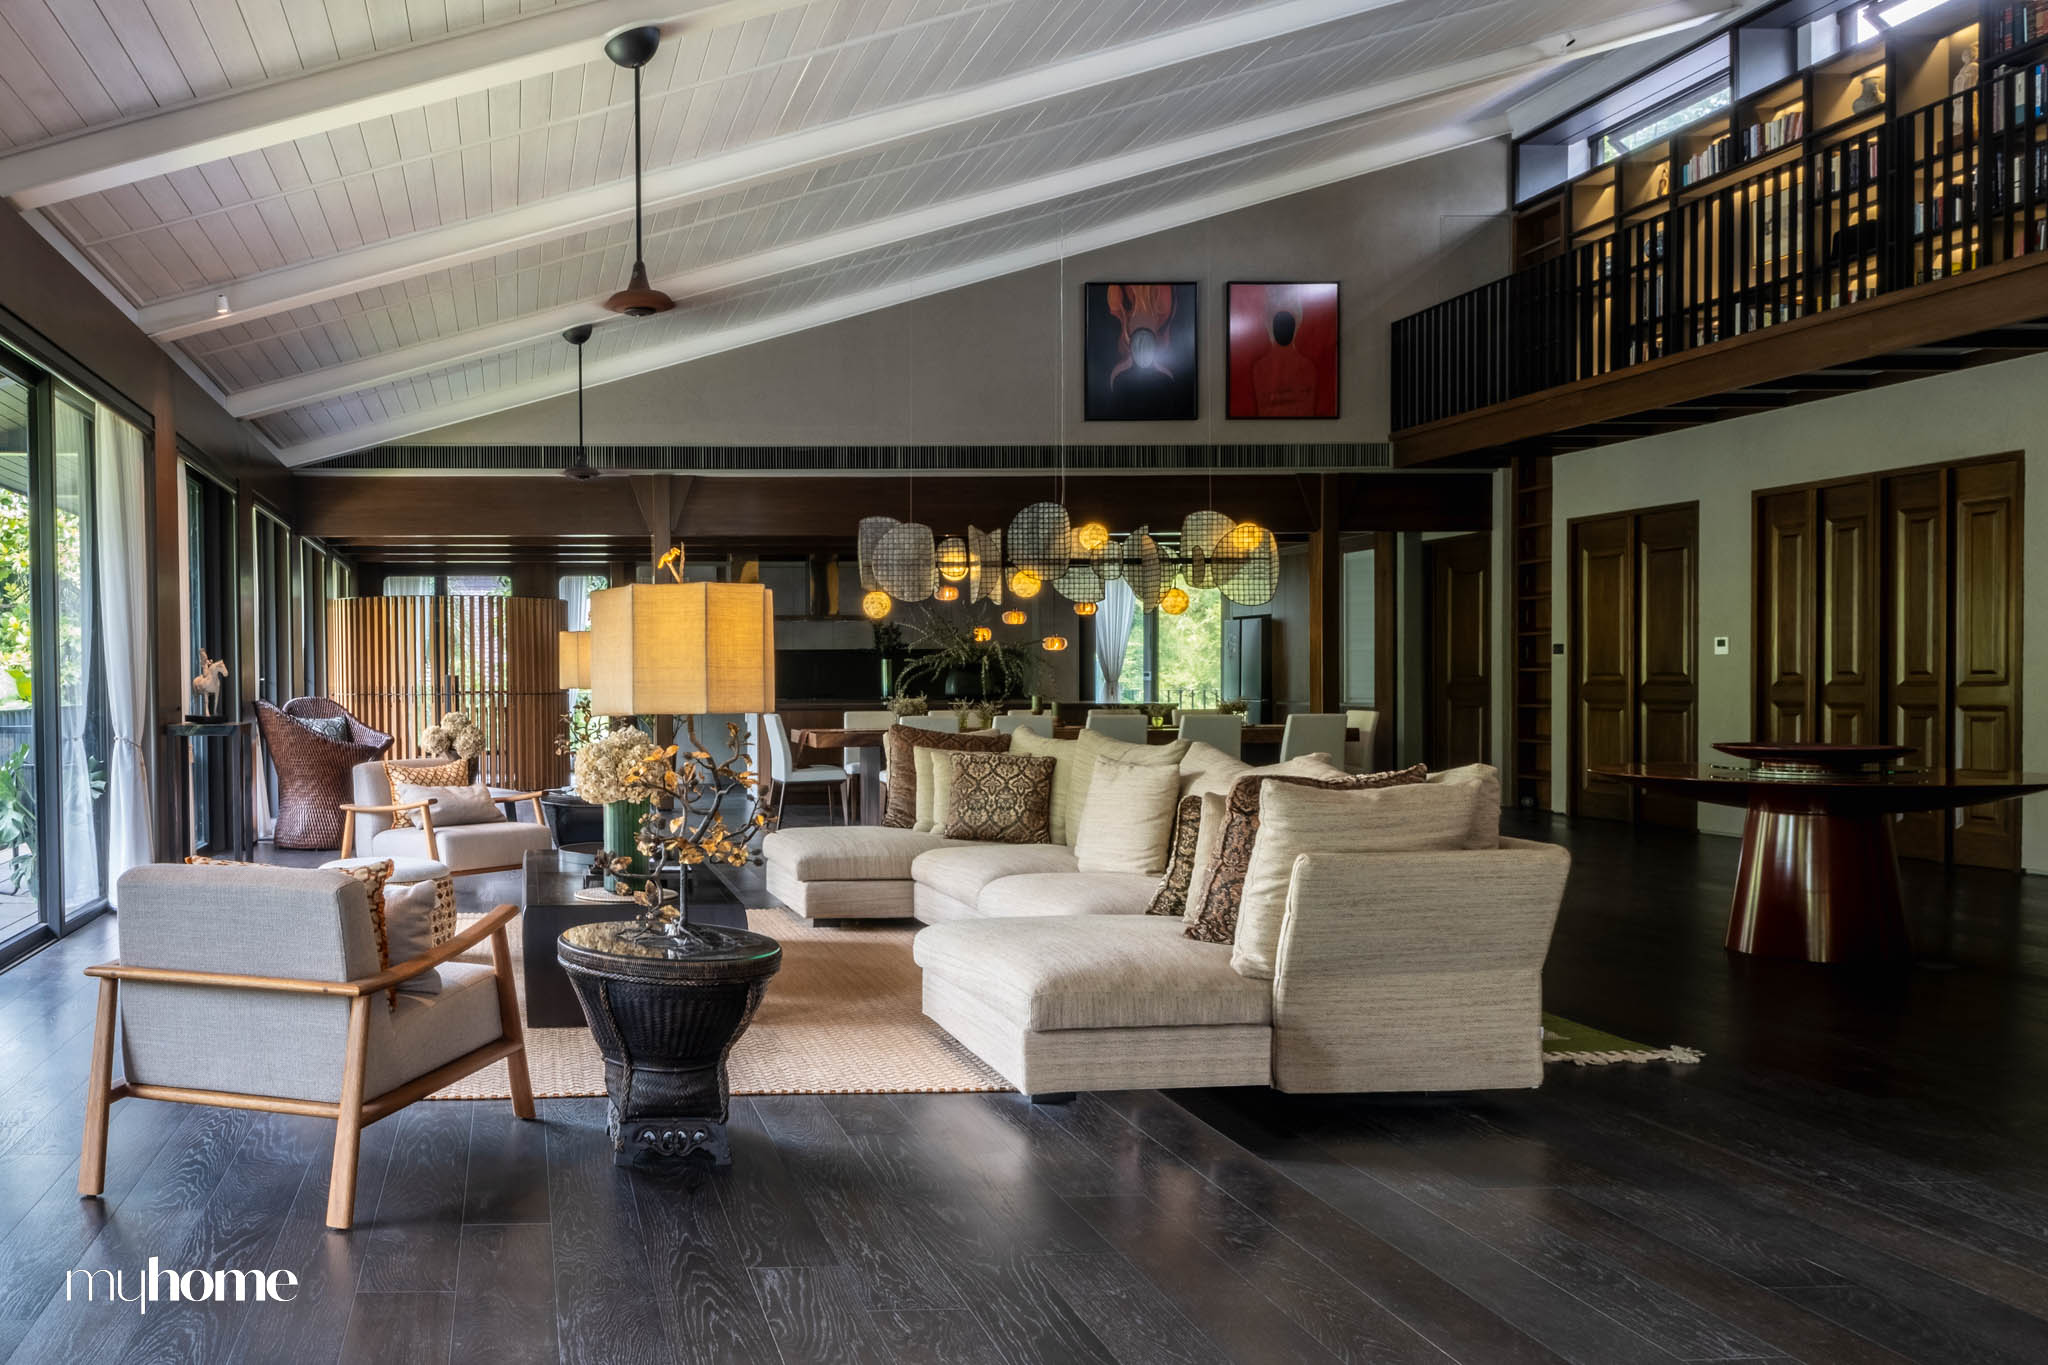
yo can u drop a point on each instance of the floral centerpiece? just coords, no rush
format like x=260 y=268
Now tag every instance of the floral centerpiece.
x=458 y=736
x=608 y=774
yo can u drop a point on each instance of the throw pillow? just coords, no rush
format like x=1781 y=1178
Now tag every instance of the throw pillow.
x=1223 y=884
x=1486 y=816
x=409 y=927
x=1067 y=765
x=997 y=798
x=1172 y=896
x=1128 y=819
x=466 y=805
x=1096 y=747
x=454 y=773
x=902 y=743
x=1198 y=777
x=1419 y=817
x=373 y=876
x=327 y=727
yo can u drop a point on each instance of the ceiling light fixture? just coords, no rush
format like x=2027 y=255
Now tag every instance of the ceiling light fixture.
x=578 y=467
x=633 y=48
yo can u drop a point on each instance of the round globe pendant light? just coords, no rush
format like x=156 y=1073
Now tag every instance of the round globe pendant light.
x=1014 y=617
x=982 y=635
x=875 y=605
x=1084 y=608
x=1174 y=601
x=946 y=592
x=1053 y=644
x=1025 y=583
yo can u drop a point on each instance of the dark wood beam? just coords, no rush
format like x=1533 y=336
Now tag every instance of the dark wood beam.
x=1326 y=601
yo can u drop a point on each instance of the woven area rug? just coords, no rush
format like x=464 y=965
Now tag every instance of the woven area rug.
x=842 y=1017
x=1566 y=1041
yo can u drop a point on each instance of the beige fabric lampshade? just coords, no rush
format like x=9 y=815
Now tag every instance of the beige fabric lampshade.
x=572 y=659
x=672 y=649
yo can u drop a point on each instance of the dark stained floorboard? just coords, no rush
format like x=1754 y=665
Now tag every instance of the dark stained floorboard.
x=1855 y=1175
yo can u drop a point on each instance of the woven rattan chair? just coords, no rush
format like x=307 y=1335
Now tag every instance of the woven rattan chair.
x=313 y=771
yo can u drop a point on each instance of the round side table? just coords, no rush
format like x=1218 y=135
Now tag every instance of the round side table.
x=666 y=1013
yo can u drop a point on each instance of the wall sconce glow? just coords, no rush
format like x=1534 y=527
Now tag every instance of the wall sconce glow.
x=875 y=605
x=1024 y=583
x=946 y=592
x=1084 y=608
x=1053 y=644
x=1014 y=617
x=952 y=559
x=1173 y=601
x=1091 y=537
x=982 y=635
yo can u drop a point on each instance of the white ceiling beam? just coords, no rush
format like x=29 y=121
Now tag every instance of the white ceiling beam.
x=332 y=381
x=488 y=235
x=1351 y=164
x=259 y=116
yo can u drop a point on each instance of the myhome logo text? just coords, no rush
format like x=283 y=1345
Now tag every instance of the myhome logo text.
x=158 y=1284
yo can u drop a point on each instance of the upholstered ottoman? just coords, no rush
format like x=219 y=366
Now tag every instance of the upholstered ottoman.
x=1096 y=1002
x=410 y=872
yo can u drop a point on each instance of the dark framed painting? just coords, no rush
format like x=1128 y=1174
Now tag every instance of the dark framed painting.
x=1138 y=353
x=1283 y=350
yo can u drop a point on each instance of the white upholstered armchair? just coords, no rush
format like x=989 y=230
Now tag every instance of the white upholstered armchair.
x=369 y=829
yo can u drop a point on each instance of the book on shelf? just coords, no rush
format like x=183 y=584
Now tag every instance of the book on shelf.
x=2020 y=24
x=1710 y=161
x=1761 y=139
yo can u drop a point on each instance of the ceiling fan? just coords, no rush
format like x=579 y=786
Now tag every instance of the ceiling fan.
x=579 y=467
x=633 y=48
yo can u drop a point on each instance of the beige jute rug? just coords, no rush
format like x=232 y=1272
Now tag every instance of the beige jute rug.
x=842 y=1017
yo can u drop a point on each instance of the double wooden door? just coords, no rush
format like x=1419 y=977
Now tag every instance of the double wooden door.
x=1458 y=723
x=1635 y=657
x=1888 y=612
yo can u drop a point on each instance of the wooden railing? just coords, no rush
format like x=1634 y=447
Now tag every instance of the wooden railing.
x=401 y=663
x=1931 y=193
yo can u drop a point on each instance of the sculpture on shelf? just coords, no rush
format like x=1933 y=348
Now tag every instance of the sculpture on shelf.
x=1871 y=98
x=206 y=686
x=1966 y=75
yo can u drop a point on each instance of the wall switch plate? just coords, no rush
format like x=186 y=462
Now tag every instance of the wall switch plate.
x=1557 y=647
x=1720 y=644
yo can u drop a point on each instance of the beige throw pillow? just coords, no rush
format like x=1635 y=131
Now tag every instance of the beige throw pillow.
x=1416 y=818
x=1067 y=765
x=1213 y=776
x=471 y=805
x=417 y=774
x=1486 y=816
x=1096 y=747
x=1128 y=819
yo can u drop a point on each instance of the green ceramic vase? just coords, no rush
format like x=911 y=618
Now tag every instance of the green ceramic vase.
x=621 y=836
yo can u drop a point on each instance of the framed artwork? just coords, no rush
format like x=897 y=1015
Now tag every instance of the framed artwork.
x=1138 y=353
x=1283 y=350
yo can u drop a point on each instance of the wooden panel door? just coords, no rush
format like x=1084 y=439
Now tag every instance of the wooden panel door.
x=1603 y=614
x=1665 y=622
x=1846 y=666
x=1784 y=616
x=1459 y=725
x=1985 y=535
x=1916 y=639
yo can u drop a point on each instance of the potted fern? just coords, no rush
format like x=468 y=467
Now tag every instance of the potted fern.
x=957 y=666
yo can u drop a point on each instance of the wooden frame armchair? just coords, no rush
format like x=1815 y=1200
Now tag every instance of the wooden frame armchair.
x=367 y=828
x=254 y=1037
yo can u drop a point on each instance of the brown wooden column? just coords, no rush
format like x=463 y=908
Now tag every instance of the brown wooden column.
x=1325 y=602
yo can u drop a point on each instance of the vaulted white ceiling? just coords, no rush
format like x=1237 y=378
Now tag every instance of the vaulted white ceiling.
x=404 y=202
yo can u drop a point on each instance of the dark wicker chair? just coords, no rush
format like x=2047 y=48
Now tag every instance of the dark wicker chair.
x=313 y=771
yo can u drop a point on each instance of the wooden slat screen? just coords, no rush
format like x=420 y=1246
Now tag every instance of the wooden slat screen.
x=401 y=663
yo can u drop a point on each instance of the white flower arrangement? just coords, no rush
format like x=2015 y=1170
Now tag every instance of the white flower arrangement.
x=458 y=734
x=605 y=766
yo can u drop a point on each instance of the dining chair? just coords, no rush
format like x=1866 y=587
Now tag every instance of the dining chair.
x=1128 y=726
x=1225 y=732
x=1313 y=732
x=865 y=720
x=1179 y=712
x=947 y=722
x=1023 y=720
x=1358 y=752
x=784 y=774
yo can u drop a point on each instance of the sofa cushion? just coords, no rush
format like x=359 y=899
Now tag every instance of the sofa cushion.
x=1067 y=893
x=1067 y=767
x=848 y=853
x=961 y=870
x=1092 y=972
x=1417 y=817
x=1223 y=882
x=998 y=798
x=1217 y=771
x=902 y=743
x=1128 y=821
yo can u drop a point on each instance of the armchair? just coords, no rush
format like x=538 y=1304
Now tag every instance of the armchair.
x=367 y=829
x=259 y=988
x=312 y=769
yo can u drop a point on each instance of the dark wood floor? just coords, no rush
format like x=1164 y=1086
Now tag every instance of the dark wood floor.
x=1856 y=1173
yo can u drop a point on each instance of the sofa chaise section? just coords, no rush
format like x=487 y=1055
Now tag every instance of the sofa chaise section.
x=845 y=871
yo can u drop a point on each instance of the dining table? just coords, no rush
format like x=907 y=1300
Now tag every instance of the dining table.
x=863 y=745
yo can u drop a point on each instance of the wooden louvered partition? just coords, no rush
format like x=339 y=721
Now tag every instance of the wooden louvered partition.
x=401 y=663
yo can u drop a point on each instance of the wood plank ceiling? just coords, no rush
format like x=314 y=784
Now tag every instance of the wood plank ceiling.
x=403 y=202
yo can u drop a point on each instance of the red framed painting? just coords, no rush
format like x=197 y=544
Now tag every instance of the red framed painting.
x=1283 y=350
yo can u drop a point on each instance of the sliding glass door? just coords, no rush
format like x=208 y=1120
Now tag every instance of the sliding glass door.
x=52 y=700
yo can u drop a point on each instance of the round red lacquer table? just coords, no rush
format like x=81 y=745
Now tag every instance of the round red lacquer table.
x=1819 y=877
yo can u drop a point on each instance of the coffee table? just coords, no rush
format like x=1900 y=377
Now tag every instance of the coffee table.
x=548 y=906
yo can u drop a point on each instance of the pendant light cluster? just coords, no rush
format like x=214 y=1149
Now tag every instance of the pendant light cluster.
x=904 y=561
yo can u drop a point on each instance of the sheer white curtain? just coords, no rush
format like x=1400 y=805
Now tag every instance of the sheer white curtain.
x=120 y=504
x=1112 y=633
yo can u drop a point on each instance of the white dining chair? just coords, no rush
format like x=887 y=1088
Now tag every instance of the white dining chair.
x=1358 y=752
x=1181 y=712
x=946 y=722
x=866 y=720
x=1313 y=732
x=784 y=774
x=1023 y=720
x=1225 y=732
x=1128 y=726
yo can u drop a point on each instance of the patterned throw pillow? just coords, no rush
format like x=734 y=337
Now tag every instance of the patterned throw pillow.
x=999 y=798
x=1172 y=896
x=327 y=727
x=903 y=742
x=1224 y=884
x=373 y=876
x=453 y=773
